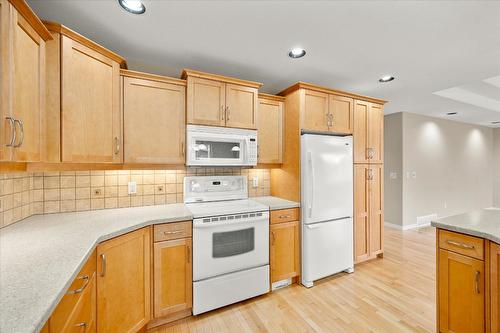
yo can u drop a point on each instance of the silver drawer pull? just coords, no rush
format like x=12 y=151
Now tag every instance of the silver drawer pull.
x=82 y=288
x=173 y=232
x=82 y=325
x=285 y=216
x=12 y=122
x=462 y=245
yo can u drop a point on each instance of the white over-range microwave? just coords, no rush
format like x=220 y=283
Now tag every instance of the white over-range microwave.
x=220 y=146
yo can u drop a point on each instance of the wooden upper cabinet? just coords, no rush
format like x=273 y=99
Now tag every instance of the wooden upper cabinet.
x=22 y=82
x=341 y=110
x=90 y=129
x=154 y=119
x=270 y=129
x=461 y=293
x=315 y=111
x=173 y=282
x=495 y=287
x=218 y=100
x=241 y=106
x=124 y=282
x=368 y=132
x=206 y=102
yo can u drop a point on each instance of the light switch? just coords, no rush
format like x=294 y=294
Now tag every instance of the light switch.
x=132 y=187
x=255 y=182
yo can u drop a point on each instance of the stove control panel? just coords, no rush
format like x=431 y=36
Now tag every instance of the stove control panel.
x=215 y=188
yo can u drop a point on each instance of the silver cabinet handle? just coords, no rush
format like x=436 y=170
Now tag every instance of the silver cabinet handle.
x=182 y=149
x=285 y=216
x=86 y=280
x=478 y=282
x=223 y=112
x=117 y=145
x=228 y=113
x=173 y=232
x=370 y=174
x=83 y=324
x=462 y=245
x=188 y=249
x=21 y=127
x=103 y=265
x=330 y=120
x=273 y=238
x=12 y=122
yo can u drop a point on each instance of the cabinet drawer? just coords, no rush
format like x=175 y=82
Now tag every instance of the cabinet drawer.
x=83 y=317
x=285 y=215
x=68 y=303
x=172 y=231
x=463 y=244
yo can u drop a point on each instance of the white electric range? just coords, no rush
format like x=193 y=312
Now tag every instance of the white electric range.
x=230 y=241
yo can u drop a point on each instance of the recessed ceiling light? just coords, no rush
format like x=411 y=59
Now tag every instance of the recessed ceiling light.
x=386 y=78
x=133 y=6
x=296 y=53
x=451 y=113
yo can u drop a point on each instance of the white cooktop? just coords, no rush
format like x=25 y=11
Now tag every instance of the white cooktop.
x=216 y=208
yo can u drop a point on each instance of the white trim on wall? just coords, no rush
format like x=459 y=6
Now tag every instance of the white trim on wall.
x=406 y=227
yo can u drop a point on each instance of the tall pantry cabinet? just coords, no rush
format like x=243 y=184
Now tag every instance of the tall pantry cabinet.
x=22 y=82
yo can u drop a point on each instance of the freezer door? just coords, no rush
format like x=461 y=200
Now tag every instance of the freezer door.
x=327 y=248
x=327 y=178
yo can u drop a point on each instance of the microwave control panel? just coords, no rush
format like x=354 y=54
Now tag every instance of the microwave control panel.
x=252 y=151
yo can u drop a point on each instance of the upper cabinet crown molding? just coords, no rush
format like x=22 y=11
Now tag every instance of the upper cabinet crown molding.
x=310 y=86
x=65 y=31
x=217 y=77
x=271 y=97
x=25 y=11
x=151 y=77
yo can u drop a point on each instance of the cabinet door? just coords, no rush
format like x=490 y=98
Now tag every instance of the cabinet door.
x=376 y=133
x=376 y=204
x=206 y=102
x=173 y=280
x=341 y=110
x=270 y=131
x=461 y=293
x=91 y=120
x=124 y=282
x=6 y=125
x=314 y=111
x=284 y=253
x=28 y=88
x=154 y=121
x=361 y=213
x=360 y=132
x=495 y=287
x=241 y=106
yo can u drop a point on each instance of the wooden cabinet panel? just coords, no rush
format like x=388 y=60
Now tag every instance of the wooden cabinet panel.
x=169 y=231
x=495 y=287
x=172 y=276
x=314 y=111
x=342 y=113
x=361 y=214
x=285 y=215
x=206 y=102
x=461 y=293
x=241 y=106
x=463 y=244
x=28 y=88
x=91 y=119
x=270 y=131
x=124 y=282
x=284 y=251
x=154 y=121
x=376 y=133
x=360 y=132
x=6 y=127
x=376 y=200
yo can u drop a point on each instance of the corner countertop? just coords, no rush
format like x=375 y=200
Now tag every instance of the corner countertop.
x=275 y=203
x=41 y=255
x=484 y=223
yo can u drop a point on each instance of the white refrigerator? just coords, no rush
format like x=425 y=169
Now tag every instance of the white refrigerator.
x=327 y=206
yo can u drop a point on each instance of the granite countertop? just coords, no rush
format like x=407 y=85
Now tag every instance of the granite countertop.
x=275 y=203
x=483 y=223
x=41 y=255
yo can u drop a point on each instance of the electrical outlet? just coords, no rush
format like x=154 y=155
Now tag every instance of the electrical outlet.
x=132 y=187
x=255 y=182
x=414 y=174
x=160 y=189
x=393 y=175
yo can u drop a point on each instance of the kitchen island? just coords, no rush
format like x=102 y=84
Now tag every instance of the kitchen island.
x=468 y=272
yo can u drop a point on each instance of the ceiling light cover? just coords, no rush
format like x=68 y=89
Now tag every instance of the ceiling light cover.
x=133 y=6
x=296 y=53
x=386 y=78
x=451 y=113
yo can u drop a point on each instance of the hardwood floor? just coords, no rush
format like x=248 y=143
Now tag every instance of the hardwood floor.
x=393 y=294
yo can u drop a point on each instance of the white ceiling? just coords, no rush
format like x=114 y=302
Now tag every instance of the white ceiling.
x=429 y=46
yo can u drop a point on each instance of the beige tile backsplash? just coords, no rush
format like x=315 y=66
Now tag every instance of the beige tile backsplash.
x=26 y=194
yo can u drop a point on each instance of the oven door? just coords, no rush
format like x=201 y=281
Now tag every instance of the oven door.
x=231 y=244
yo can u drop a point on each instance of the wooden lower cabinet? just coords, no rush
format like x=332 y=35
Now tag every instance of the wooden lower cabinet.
x=495 y=287
x=173 y=282
x=284 y=240
x=124 y=282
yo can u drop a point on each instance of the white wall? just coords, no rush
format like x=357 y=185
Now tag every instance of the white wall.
x=393 y=163
x=453 y=163
x=496 y=168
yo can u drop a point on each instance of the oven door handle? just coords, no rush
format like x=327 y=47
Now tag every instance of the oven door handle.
x=204 y=225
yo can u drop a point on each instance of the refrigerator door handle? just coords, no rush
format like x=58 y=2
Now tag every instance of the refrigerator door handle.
x=312 y=183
